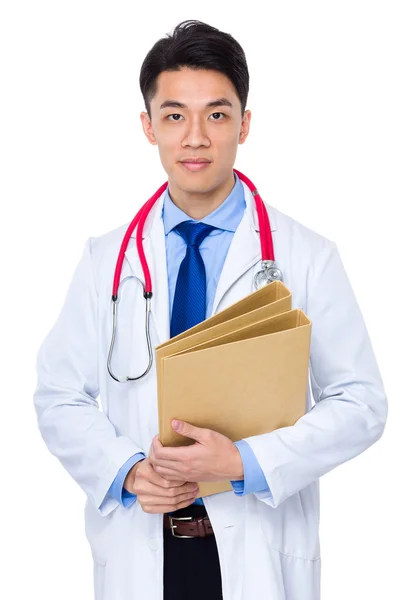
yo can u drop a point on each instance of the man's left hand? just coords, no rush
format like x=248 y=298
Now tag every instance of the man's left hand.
x=213 y=456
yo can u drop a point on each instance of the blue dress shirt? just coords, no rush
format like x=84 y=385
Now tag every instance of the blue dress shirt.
x=213 y=250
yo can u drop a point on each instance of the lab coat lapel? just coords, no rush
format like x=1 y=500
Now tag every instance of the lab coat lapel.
x=244 y=250
x=156 y=256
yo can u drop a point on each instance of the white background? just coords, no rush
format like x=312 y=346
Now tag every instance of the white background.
x=327 y=146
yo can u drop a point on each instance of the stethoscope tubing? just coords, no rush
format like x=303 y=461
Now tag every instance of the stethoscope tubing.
x=266 y=241
x=140 y=219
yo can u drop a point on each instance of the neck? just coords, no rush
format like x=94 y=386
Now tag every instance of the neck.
x=198 y=205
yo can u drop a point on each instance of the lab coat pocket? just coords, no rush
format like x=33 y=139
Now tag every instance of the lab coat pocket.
x=98 y=557
x=96 y=531
x=293 y=527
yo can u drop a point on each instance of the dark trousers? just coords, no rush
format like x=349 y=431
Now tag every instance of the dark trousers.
x=191 y=566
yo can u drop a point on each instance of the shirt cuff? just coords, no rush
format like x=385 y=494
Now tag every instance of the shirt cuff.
x=116 y=490
x=254 y=479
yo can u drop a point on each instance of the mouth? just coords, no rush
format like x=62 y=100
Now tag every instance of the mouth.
x=195 y=165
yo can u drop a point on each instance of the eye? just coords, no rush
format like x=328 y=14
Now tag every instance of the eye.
x=218 y=114
x=174 y=115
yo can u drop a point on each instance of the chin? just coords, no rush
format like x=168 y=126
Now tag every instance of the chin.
x=194 y=181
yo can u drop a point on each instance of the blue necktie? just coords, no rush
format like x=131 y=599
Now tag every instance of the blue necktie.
x=189 y=304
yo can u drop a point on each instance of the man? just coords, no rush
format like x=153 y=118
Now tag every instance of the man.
x=201 y=242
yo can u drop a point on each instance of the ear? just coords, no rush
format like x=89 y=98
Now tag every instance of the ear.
x=245 y=126
x=148 y=128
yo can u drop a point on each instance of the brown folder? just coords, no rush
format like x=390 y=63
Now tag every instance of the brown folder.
x=241 y=376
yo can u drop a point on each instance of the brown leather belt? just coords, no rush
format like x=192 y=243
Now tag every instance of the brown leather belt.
x=188 y=527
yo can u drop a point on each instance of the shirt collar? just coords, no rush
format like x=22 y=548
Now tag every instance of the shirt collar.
x=227 y=216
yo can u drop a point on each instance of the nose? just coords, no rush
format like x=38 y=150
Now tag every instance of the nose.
x=196 y=134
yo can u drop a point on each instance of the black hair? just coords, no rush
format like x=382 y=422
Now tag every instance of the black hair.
x=195 y=45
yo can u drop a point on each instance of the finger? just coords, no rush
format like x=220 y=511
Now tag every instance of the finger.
x=186 y=429
x=169 y=474
x=166 y=508
x=165 y=482
x=156 y=447
x=173 y=465
x=172 y=492
x=173 y=501
x=149 y=488
x=174 y=453
x=156 y=442
x=151 y=454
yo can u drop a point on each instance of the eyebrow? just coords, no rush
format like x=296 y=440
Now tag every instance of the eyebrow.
x=214 y=103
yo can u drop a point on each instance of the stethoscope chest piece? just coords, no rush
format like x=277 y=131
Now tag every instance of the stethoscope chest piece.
x=268 y=273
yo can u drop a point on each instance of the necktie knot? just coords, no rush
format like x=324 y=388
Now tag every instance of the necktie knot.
x=194 y=233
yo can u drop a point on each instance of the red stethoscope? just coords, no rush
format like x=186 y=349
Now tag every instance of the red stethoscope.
x=268 y=273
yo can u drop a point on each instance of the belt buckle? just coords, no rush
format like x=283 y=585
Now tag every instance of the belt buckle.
x=171 y=518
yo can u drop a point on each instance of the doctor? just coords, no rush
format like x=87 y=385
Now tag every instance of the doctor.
x=201 y=242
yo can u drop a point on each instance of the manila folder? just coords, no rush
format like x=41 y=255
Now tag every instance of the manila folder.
x=244 y=383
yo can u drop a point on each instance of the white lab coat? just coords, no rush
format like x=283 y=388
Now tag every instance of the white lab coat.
x=268 y=543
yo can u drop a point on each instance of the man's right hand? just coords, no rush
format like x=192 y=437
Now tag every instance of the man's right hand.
x=156 y=494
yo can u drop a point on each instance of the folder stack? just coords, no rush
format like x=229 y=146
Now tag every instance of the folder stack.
x=242 y=372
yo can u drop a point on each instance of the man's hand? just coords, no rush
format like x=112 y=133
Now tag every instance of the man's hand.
x=156 y=494
x=213 y=457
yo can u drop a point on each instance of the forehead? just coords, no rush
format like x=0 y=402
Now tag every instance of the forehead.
x=194 y=87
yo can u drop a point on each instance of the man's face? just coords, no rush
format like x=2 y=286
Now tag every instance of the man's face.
x=196 y=114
